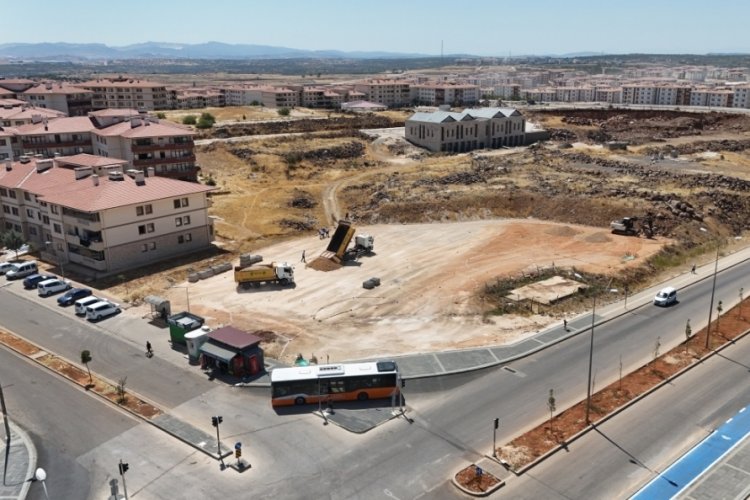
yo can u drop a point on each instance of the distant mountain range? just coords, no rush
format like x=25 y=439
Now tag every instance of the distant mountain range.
x=165 y=50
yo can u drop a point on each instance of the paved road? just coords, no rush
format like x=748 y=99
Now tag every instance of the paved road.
x=636 y=445
x=63 y=422
x=59 y=331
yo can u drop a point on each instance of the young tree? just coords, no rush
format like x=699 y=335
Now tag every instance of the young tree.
x=13 y=241
x=688 y=333
x=121 y=394
x=551 y=406
x=86 y=359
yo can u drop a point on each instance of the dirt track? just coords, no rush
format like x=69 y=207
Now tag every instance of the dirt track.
x=426 y=299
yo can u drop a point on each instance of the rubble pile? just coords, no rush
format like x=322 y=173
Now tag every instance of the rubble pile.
x=303 y=125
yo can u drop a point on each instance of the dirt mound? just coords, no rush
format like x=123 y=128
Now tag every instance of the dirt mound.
x=561 y=231
x=305 y=125
x=600 y=237
x=323 y=264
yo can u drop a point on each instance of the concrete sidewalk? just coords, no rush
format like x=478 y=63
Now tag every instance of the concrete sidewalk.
x=21 y=464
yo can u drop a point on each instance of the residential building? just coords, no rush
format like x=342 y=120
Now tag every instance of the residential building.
x=6 y=148
x=436 y=94
x=608 y=94
x=392 y=93
x=71 y=100
x=741 y=98
x=102 y=223
x=57 y=137
x=468 y=130
x=127 y=93
x=16 y=116
x=320 y=97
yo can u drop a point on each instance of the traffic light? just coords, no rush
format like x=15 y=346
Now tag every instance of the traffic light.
x=497 y=423
x=237 y=449
x=215 y=421
x=123 y=467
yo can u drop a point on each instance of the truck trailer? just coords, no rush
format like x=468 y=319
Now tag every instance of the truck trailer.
x=255 y=275
x=338 y=248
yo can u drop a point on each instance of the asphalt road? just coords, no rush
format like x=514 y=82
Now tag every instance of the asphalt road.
x=63 y=422
x=62 y=333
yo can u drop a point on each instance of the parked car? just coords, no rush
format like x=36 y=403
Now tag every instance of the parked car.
x=31 y=281
x=5 y=267
x=50 y=287
x=100 y=310
x=72 y=295
x=21 y=270
x=81 y=304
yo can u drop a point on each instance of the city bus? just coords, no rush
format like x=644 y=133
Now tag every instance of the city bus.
x=335 y=382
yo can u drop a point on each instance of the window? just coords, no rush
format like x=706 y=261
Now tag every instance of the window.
x=152 y=245
x=181 y=202
x=6 y=209
x=178 y=221
x=55 y=209
x=138 y=211
x=146 y=228
x=12 y=193
x=30 y=212
x=188 y=237
x=143 y=209
x=26 y=196
x=32 y=230
x=144 y=248
x=186 y=220
x=57 y=228
x=149 y=209
x=45 y=219
x=14 y=210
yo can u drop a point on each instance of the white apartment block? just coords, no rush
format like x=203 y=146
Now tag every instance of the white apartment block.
x=124 y=93
x=71 y=100
x=435 y=94
x=6 y=149
x=471 y=129
x=711 y=97
x=540 y=95
x=741 y=97
x=392 y=93
x=511 y=91
x=102 y=223
x=609 y=95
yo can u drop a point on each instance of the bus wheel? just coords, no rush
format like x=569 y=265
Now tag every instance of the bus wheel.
x=299 y=401
x=362 y=396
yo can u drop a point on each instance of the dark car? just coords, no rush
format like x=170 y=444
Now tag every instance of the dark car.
x=72 y=295
x=31 y=281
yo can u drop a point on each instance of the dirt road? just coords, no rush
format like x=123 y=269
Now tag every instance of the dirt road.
x=430 y=275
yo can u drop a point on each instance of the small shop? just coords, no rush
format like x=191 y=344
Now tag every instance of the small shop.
x=232 y=351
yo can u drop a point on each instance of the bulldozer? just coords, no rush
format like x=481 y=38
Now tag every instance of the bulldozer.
x=634 y=226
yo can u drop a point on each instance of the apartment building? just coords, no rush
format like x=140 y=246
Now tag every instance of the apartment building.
x=540 y=95
x=196 y=98
x=71 y=100
x=608 y=94
x=320 y=97
x=712 y=97
x=16 y=116
x=468 y=130
x=57 y=137
x=510 y=91
x=392 y=93
x=102 y=223
x=741 y=97
x=125 y=93
x=16 y=85
x=6 y=148
x=436 y=94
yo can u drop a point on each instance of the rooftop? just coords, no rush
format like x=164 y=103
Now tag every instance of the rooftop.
x=234 y=337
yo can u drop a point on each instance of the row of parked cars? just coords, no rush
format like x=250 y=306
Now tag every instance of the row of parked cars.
x=86 y=304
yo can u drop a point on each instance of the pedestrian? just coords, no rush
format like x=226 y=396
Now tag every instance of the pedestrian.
x=565 y=324
x=693 y=270
x=149 y=351
x=303 y=257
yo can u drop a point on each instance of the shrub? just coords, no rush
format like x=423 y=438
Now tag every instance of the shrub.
x=189 y=120
x=283 y=111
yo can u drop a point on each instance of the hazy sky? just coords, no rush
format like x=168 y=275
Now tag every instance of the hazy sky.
x=481 y=27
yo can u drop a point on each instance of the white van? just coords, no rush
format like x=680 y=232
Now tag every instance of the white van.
x=666 y=296
x=21 y=270
x=48 y=287
x=102 y=309
x=81 y=304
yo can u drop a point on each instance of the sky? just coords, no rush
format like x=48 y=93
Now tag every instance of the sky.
x=478 y=27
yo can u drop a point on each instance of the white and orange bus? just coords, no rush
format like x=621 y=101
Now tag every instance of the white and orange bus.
x=337 y=382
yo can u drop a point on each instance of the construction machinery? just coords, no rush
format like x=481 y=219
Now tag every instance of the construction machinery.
x=625 y=226
x=338 y=248
x=256 y=274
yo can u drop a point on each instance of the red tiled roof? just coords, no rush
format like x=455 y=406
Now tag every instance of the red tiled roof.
x=87 y=160
x=22 y=113
x=234 y=337
x=59 y=126
x=59 y=186
x=56 y=88
x=115 y=112
x=132 y=83
x=161 y=129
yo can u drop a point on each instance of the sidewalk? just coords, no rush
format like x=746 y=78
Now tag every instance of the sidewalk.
x=21 y=464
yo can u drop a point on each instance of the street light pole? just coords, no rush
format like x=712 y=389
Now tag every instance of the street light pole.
x=713 y=291
x=591 y=361
x=494 y=437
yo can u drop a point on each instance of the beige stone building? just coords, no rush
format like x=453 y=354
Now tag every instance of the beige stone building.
x=85 y=212
x=127 y=93
x=392 y=93
x=471 y=129
x=71 y=100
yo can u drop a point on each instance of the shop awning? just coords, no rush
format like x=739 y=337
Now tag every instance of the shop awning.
x=217 y=352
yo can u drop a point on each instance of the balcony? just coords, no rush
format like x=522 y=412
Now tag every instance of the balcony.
x=145 y=148
x=56 y=144
x=163 y=161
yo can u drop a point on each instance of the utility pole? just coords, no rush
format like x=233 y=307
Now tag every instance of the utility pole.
x=713 y=291
x=494 y=437
x=591 y=361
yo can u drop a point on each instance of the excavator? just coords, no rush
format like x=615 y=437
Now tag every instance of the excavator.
x=633 y=226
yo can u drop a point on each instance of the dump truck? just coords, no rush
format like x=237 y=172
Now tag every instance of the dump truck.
x=254 y=275
x=338 y=248
x=625 y=226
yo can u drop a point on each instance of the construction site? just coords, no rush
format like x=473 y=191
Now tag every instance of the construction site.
x=407 y=251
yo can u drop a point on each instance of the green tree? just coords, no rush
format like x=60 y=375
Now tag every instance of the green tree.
x=161 y=115
x=206 y=120
x=86 y=359
x=283 y=111
x=189 y=120
x=13 y=241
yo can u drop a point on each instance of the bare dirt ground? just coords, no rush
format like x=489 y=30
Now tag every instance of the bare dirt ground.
x=431 y=275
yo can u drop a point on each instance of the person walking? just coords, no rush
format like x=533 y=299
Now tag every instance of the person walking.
x=693 y=270
x=303 y=257
x=565 y=324
x=149 y=350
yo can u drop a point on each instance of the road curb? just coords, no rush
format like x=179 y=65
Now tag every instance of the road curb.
x=29 y=445
x=627 y=405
